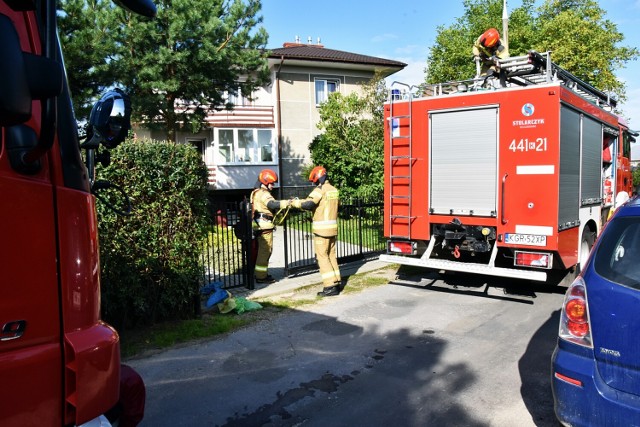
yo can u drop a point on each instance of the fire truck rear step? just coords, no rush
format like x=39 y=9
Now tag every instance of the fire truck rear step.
x=447 y=265
x=539 y=276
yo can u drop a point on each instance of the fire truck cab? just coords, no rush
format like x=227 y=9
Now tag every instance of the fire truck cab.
x=510 y=176
x=59 y=362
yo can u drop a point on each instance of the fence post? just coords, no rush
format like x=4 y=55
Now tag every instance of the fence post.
x=359 y=209
x=248 y=244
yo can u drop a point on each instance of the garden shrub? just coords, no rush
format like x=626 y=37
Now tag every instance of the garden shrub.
x=151 y=260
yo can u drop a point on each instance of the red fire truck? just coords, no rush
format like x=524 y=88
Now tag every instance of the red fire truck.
x=511 y=175
x=59 y=363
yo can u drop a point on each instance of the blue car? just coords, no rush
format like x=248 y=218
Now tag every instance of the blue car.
x=596 y=363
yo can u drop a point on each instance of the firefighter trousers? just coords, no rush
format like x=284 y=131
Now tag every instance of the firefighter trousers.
x=265 y=247
x=325 y=248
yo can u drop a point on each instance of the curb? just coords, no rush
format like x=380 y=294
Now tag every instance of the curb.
x=293 y=283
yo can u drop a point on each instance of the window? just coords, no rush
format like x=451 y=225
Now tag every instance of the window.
x=245 y=145
x=199 y=145
x=238 y=99
x=238 y=146
x=225 y=153
x=619 y=250
x=264 y=145
x=626 y=146
x=324 y=88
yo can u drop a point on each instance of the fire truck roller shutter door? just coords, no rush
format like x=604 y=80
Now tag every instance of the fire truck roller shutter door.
x=464 y=165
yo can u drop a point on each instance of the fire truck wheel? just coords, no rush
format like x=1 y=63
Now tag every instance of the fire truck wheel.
x=588 y=238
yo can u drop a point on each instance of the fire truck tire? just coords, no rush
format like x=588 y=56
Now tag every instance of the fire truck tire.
x=586 y=243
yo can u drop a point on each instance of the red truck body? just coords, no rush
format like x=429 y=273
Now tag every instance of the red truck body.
x=507 y=180
x=59 y=363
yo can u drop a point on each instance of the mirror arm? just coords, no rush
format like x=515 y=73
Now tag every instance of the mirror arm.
x=49 y=105
x=105 y=185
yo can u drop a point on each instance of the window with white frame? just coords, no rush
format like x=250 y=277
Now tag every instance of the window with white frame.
x=244 y=146
x=238 y=99
x=324 y=87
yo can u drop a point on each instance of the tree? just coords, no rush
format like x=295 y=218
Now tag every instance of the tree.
x=581 y=39
x=584 y=42
x=352 y=144
x=83 y=24
x=450 y=57
x=178 y=66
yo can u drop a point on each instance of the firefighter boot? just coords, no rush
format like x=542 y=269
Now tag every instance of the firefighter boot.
x=329 y=291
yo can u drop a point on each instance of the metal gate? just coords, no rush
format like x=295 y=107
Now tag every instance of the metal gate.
x=360 y=235
x=228 y=253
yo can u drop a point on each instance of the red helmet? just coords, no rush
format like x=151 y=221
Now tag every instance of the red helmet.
x=268 y=176
x=490 y=38
x=317 y=173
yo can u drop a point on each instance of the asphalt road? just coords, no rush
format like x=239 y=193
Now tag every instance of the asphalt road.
x=419 y=351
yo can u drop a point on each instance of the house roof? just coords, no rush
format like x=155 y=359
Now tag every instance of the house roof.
x=318 y=53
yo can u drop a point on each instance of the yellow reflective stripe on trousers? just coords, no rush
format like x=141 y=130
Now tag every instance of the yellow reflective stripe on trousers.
x=261 y=268
x=329 y=275
x=325 y=225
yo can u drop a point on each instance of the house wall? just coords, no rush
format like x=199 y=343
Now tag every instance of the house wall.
x=299 y=114
x=296 y=118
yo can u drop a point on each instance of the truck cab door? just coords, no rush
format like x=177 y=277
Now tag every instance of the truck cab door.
x=30 y=334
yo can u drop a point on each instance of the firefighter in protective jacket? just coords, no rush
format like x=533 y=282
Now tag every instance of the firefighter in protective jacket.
x=487 y=49
x=324 y=201
x=262 y=223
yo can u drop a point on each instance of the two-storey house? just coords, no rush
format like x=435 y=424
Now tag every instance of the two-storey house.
x=274 y=129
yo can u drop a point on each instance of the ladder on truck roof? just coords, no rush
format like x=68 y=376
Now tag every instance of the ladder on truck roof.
x=531 y=69
x=537 y=68
x=398 y=143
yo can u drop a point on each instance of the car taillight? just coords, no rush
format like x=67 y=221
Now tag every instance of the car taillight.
x=533 y=259
x=406 y=248
x=574 y=321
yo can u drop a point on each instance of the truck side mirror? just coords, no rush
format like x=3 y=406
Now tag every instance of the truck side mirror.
x=141 y=7
x=15 y=97
x=110 y=120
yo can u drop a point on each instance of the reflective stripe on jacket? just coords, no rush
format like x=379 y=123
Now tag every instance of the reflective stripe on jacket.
x=325 y=216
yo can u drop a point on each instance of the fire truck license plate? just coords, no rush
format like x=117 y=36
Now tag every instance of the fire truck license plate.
x=525 y=239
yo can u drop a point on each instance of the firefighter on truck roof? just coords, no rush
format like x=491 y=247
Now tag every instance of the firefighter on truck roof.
x=487 y=49
x=323 y=202
x=262 y=223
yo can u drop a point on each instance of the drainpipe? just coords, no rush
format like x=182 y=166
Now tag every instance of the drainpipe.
x=279 y=124
x=279 y=130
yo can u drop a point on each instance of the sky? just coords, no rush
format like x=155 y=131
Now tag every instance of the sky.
x=404 y=30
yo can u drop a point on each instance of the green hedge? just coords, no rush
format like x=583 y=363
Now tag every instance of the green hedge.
x=151 y=260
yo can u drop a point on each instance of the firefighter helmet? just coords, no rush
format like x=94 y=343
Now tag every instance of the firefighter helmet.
x=490 y=38
x=268 y=176
x=318 y=174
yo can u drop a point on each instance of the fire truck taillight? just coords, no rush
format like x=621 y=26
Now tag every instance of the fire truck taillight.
x=533 y=259
x=404 y=247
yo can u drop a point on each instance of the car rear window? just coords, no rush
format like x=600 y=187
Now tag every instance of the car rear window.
x=618 y=255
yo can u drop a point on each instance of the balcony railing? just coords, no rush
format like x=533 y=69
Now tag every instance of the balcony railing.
x=254 y=116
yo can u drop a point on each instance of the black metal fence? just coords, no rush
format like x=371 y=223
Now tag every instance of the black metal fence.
x=360 y=235
x=228 y=255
